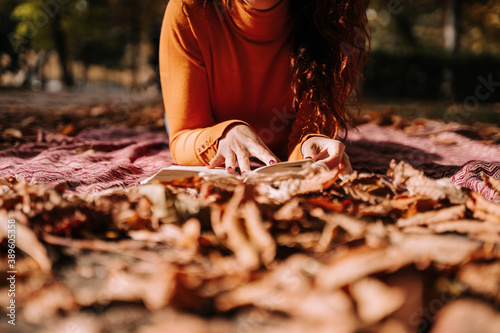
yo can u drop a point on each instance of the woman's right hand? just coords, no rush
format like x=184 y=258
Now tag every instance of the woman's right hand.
x=239 y=143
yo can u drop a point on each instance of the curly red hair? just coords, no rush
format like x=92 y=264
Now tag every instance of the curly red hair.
x=329 y=46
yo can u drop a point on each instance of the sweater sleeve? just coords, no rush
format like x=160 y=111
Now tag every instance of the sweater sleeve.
x=194 y=134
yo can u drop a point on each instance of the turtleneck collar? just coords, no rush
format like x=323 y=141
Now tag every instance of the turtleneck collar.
x=260 y=25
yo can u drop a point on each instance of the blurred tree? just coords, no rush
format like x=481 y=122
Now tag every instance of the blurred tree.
x=451 y=42
x=140 y=21
x=7 y=26
x=41 y=26
x=94 y=37
x=93 y=31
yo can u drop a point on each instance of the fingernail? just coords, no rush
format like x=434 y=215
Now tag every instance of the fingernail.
x=229 y=168
x=272 y=161
x=309 y=158
x=341 y=165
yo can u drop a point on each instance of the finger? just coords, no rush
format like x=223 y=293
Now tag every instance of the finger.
x=335 y=156
x=243 y=163
x=310 y=150
x=216 y=161
x=230 y=163
x=264 y=155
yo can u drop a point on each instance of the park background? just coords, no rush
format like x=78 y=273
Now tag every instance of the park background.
x=81 y=123
x=427 y=50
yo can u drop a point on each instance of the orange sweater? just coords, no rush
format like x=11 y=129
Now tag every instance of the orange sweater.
x=220 y=66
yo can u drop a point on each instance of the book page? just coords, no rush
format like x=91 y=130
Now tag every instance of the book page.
x=177 y=171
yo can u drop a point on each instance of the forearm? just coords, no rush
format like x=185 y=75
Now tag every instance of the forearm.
x=198 y=146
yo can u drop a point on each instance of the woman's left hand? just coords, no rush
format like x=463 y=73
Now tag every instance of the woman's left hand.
x=329 y=151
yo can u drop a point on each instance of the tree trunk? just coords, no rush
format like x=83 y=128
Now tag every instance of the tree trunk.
x=451 y=27
x=60 y=42
x=451 y=45
x=405 y=22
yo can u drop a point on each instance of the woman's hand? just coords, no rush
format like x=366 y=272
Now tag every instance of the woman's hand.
x=236 y=147
x=329 y=151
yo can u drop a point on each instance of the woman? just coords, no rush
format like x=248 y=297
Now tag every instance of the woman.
x=260 y=78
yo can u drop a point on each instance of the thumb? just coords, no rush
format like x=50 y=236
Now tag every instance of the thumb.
x=310 y=150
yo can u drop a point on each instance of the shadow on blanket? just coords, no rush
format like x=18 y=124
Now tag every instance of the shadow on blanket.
x=98 y=159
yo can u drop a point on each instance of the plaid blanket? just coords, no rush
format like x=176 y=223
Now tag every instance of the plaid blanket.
x=94 y=160
x=436 y=149
x=471 y=176
x=98 y=159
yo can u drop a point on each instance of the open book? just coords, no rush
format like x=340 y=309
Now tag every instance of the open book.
x=177 y=172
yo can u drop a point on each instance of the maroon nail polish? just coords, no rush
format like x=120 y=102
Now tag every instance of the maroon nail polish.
x=308 y=158
x=272 y=162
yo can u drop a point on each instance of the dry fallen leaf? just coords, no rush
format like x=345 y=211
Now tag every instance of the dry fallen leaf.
x=25 y=238
x=467 y=316
x=404 y=175
x=444 y=215
x=375 y=300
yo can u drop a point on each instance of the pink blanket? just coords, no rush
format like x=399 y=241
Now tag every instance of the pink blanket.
x=437 y=150
x=102 y=158
x=92 y=161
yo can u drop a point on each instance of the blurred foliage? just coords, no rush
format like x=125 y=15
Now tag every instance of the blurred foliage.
x=420 y=75
x=409 y=25
x=91 y=31
x=408 y=58
x=7 y=26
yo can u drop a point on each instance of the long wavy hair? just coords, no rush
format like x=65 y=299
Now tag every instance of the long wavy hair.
x=329 y=45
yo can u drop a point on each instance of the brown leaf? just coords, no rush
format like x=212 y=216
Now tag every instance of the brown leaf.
x=404 y=175
x=13 y=132
x=170 y=320
x=259 y=235
x=446 y=250
x=154 y=284
x=355 y=227
x=307 y=241
x=467 y=316
x=467 y=227
x=288 y=289
x=292 y=210
x=484 y=209
x=444 y=215
x=358 y=263
x=375 y=300
x=236 y=238
x=47 y=303
x=185 y=236
x=482 y=278
x=25 y=238
x=370 y=188
x=492 y=182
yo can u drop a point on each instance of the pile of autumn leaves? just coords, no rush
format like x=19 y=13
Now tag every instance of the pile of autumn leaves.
x=311 y=251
